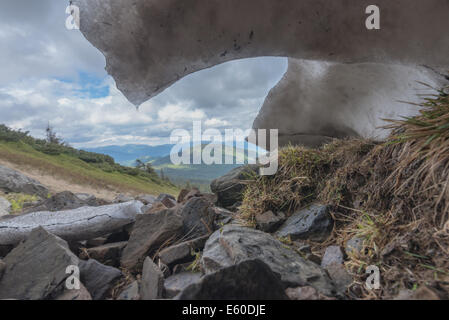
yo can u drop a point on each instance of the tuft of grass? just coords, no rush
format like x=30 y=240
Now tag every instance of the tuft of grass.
x=424 y=148
x=195 y=266
x=18 y=200
x=301 y=176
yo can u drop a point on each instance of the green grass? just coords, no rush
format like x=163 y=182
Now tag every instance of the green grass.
x=74 y=170
x=17 y=201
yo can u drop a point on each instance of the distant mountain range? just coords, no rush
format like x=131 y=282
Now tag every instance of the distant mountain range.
x=199 y=175
x=128 y=154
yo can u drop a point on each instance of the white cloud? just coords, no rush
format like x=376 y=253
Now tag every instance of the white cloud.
x=51 y=74
x=214 y=122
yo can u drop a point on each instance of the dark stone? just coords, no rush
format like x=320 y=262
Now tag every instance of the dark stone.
x=120 y=235
x=108 y=254
x=60 y=201
x=198 y=217
x=183 y=267
x=14 y=181
x=96 y=242
x=167 y=200
x=182 y=194
x=354 y=246
x=232 y=244
x=185 y=194
x=176 y=283
x=98 y=278
x=131 y=292
x=36 y=268
x=333 y=254
x=152 y=285
x=270 y=222
x=5 y=249
x=80 y=294
x=305 y=293
x=150 y=232
x=182 y=252
x=163 y=196
x=248 y=280
x=2 y=268
x=341 y=278
x=229 y=188
x=313 y=258
x=121 y=198
x=146 y=199
x=312 y=223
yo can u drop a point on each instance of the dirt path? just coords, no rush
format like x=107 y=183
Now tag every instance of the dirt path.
x=55 y=184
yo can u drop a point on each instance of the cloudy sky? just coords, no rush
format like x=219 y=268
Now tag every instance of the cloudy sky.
x=51 y=74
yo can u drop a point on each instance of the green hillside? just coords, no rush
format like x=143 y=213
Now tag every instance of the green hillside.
x=198 y=175
x=77 y=166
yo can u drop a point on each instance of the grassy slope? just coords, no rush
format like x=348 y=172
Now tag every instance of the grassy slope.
x=76 y=171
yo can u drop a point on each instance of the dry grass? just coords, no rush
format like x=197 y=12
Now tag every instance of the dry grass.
x=301 y=176
x=394 y=196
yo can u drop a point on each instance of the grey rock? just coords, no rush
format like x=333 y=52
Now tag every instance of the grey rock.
x=222 y=217
x=163 y=196
x=269 y=222
x=146 y=199
x=152 y=285
x=14 y=181
x=72 y=225
x=122 y=198
x=183 y=267
x=167 y=200
x=341 y=278
x=5 y=207
x=2 y=268
x=313 y=258
x=302 y=247
x=333 y=254
x=164 y=269
x=182 y=194
x=96 y=242
x=121 y=234
x=98 y=278
x=150 y=232
x=178 y=282
x=198 y=217
x=58 y=202
x=354 y=245
x=423 y=293
x=229 y=188
x=5 y=249
x=185 y=194
x=80 y=294
x=131 y=292
x=108 y=254
x=247 y=280
x=182 y=252
x=86 y=197
x=305 y=293
x=313 y=223
x=36 y=268
x=233 y=244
